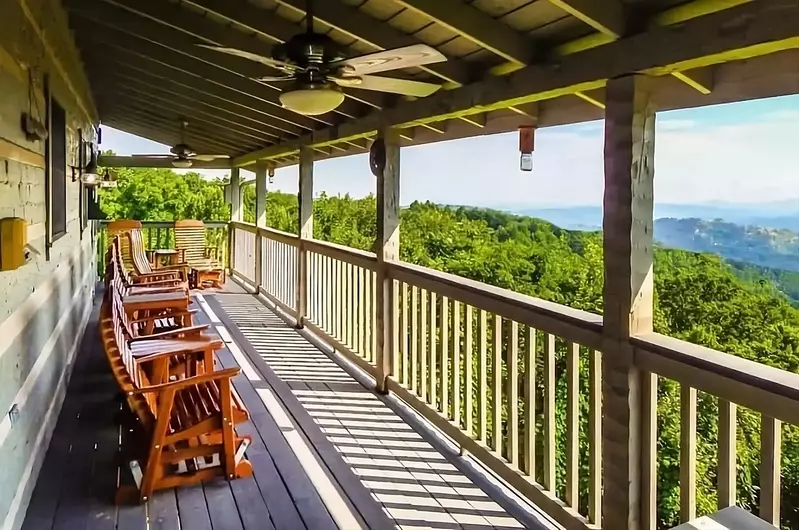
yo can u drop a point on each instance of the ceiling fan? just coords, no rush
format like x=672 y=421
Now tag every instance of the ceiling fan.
x=182 y=155
x=316 y=67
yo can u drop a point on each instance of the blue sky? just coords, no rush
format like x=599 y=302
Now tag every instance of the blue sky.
x=740 y=153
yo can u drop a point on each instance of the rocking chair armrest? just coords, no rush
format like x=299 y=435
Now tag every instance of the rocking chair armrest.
x=189 y=313
x=189 y=330
x=188 y=350
x=207 y=377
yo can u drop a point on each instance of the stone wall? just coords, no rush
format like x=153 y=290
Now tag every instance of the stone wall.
x=43 y=305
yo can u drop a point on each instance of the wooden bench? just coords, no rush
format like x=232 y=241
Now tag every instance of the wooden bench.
x=189 y=420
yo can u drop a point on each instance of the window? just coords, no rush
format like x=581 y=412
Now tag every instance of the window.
x=58 y=171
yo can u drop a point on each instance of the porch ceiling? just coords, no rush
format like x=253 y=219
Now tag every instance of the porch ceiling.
x=148 y=73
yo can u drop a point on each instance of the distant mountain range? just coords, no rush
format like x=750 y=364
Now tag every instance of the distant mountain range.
x=777 y=214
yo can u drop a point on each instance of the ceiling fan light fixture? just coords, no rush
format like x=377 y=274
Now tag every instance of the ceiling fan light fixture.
x=312 y=101
x=182 y=163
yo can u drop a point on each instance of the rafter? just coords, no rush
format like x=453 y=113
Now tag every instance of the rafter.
x=476 y=26
x=129 y=161
x=164 y=132
x=605 y=16
x=761 y=28
x=360 y=26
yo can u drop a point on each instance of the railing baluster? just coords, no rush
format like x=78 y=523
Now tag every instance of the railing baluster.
x=770 y=468
x=595 y=436
x=468 y=369
x=572 y=424
x=549 y=413
x=413 y=384
x=360 y=284
x=496 y=384
x=432 y=391
x=406 y=331
x=513 y=394
x=529 y=401
x=456 y=362
x=687 y=453
x=339 y=301
x=345 y=304
x=649 y=440
x=395 y=342
x=482 y=376
x=727 y=453
x=444 y=373
x=373 y=299
x=423 y=344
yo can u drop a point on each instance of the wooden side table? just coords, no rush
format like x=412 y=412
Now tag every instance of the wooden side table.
x=165 y=257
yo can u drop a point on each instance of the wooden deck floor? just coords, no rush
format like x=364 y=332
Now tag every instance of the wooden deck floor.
x=327 y=452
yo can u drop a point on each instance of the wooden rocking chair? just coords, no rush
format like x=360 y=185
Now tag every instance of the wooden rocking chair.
x=201 y=259
x=141 y=264
x=189 y=422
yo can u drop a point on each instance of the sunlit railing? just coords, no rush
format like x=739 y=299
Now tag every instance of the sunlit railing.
x=518 y=382
x=161 y=235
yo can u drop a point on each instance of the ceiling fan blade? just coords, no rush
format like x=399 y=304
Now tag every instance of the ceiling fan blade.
x=405 y=87
x=208 y=158
x=252 y=56
x=153 y=156
x=273 y=79
x=398 y=58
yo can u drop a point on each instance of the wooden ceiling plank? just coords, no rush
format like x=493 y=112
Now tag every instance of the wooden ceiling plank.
x=379 y=35
x=157 y=39
x=192 y=113
x=761 y=28
x=477 y=26
x=126 y=61
x=158 y=132
x=118 y=80
x=173 y=119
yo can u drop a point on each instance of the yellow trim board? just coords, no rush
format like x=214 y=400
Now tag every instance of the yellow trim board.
x=20 y=154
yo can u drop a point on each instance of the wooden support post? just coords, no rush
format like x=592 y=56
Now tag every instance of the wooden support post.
x=235 y=215
x=628 y=294
x=305 y=201
x=261 y=178
x=387 y=248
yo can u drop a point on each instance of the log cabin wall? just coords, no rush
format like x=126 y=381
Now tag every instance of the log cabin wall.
x=44 y=304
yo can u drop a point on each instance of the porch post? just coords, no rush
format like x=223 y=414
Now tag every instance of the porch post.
x=628 y=296
x=261 y=169
x=305 y=201
x=387 y=249
x=235 y=215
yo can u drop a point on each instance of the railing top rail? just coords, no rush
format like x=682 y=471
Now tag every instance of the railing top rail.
x=760 y=387
x=279 y=233
x=168 y=224
x=572 y=324
x=360 y=258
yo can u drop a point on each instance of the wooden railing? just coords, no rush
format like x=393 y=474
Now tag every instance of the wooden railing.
x=517 y=381
x=161 y=235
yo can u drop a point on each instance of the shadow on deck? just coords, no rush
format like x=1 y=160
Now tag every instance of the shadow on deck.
x=327 y=452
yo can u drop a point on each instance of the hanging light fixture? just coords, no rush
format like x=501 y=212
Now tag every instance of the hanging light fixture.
x=311 y=101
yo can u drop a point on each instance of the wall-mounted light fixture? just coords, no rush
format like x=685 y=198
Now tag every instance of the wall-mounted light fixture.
x=86 y=170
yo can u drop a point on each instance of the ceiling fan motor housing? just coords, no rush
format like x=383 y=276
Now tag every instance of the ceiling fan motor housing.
x=309 y=49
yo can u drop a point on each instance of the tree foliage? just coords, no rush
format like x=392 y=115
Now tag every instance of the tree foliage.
x=699 y=298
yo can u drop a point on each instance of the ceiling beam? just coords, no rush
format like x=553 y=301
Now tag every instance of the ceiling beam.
x=380 y=35
x=204 y=28
x=745 y=31
x=477 y=26
x=133 y=161
x=117 y=60
x=156 y=40
x=191 y=113
x=605 y=16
